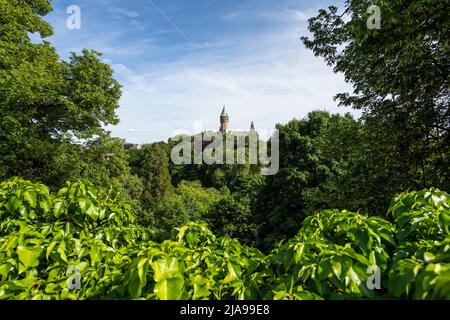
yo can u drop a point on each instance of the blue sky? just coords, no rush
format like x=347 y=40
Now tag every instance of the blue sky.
x=180 y=61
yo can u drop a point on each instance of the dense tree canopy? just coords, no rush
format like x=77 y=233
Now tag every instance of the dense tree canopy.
x=46 y=102
x=400 y=76
x=154 y=171
x=188 y=202
x=42 y=234
x=314 y=155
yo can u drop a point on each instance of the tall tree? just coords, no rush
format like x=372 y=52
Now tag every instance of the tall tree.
x=315 y=153
x=155 y=174
x=400 y=75
x=46 y=102
x=188 y=202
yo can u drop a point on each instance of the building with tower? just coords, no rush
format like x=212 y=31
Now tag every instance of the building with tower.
x=225 y=124
x=224 y=129
x=224 y=121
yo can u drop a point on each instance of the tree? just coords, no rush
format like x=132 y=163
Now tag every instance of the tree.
x=314 y=155
x=400 y=78
x=106 y=159
x=188 y=202
x=46 y=102
x=155 y=174
x=131 y=187
x=232 y=216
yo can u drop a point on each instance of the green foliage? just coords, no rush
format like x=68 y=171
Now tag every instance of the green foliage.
x=400 y=78
x=154 y=170
x=131 y=187
x=44 y=236
x=103 y=160
x=188 y=202
x=46 y=102
x=92 y=230
x=421 y=267
x=315 y=155
x=332 y=253
x=232 y=217
x=222 y=195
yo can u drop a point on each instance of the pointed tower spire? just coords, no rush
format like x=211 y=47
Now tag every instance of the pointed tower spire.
x=252 y=127
x=224 y=120
x=224 y=112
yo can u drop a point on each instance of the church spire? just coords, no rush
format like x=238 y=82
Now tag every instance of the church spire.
x=224 y=112
x=252 y=127
x=224 y=120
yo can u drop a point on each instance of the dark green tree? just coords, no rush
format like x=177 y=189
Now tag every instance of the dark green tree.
x=47 y=103
x=105 y=159
x=102 y=160
x=400 y=76
x=232 y=216
x=314 y=155
x=188 y=202
x=154 y=171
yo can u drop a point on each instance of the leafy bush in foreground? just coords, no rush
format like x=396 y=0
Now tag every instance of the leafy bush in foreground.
x=45 y=238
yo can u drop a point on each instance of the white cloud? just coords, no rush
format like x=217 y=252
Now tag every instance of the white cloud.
x=282 y=15
x=233 y=15
x=125 y=12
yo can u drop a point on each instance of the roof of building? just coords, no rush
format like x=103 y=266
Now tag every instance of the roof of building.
x=224 y=112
